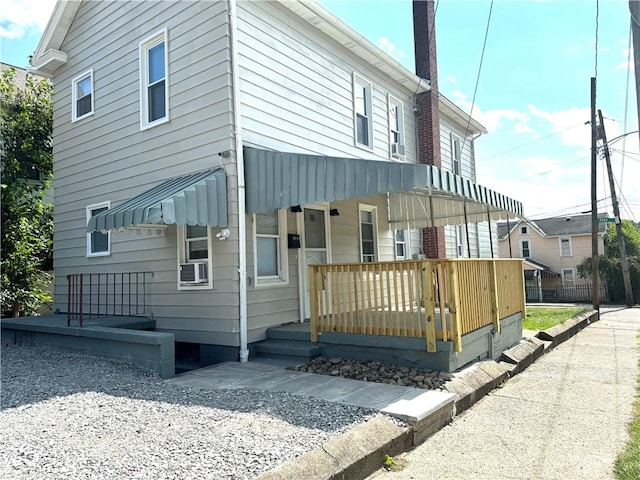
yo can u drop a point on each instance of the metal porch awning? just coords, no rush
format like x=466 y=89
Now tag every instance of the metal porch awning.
x=530 y=264
x=419 y=195
x=196 y=199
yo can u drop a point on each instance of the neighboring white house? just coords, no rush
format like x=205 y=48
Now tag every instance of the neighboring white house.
x=223 y=146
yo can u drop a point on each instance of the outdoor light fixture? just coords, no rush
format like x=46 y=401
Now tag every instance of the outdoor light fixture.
x=334 y=212
x=223 y=234
x=296 y=209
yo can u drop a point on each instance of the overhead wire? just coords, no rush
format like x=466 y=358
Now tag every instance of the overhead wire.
x=626 y=103
x=475 y=90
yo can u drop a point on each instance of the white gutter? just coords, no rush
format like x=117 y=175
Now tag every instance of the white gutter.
x=242 y=227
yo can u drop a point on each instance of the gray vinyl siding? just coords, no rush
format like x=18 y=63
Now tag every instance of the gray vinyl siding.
x=106 y=157
x=296 y=88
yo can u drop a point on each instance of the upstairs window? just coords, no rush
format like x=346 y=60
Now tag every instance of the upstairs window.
x=154 y=93
x=362 y=112
x=82 y=96
x=525 y=249
x=524 y=230
x=396 y=128
x=456 y=154
x=98 y=243
x=565 y=247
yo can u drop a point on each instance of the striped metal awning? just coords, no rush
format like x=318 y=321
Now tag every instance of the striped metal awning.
x=196 y=199
x=419 y=195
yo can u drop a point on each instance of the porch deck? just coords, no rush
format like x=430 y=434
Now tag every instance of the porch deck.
x=405 y=298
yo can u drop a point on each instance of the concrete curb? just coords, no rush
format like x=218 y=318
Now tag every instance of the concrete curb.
x=561 y=333
x=360 y=451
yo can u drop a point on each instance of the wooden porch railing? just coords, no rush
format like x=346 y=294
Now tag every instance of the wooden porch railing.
x=91 y=295
x=430 y=299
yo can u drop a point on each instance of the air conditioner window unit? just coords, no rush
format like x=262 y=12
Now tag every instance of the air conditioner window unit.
x=194 y=273
x=397 y=150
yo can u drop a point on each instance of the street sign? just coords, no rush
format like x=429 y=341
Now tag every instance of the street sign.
x=606 y=220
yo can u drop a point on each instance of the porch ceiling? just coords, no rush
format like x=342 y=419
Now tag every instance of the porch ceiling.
x=419 y=195
x=196 y=199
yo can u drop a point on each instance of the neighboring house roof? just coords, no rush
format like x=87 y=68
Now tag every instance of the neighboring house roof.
x=544 y=269
x=556 y=226
x=48 y=57
x=20 y=78
x=451 y=110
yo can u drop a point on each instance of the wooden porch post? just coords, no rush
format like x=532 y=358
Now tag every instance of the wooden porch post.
x=313 y=303
x=429 y=302
x=454 y=295
x=493 y=296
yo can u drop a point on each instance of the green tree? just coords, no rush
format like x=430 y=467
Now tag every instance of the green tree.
x=610 y=268
x=26 y=114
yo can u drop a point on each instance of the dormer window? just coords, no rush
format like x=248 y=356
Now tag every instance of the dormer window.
x=524 y=230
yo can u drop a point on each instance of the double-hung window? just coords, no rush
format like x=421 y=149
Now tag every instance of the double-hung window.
x=396 y=128
x=568 y=277
x=456 y=154
x=401 y=245
x=524 y=230
x=565 y=247
x=195 y=256
x=98 y=243
x=270 y=231
x=82 y=96
x=362 y=108
x=525 y=248
x=154 y=85
x=368 y=233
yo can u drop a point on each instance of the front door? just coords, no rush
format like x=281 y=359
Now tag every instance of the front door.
x=315 y=244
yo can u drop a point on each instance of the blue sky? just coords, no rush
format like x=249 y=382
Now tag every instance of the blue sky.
x=533 y=93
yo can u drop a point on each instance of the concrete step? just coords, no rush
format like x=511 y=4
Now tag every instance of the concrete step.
x=295 y=331
x=301 y=351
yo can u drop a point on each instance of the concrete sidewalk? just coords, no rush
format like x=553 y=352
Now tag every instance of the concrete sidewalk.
x=564 y=417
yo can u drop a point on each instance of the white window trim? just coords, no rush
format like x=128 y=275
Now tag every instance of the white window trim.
x=394 y=102
x=570 y=246
x=460 y=241
x=357 y=78
x=182 y=258
x=407 y=234
x=455 y=137
x=573 y=276
x=374 y=210
x=74 y=96
x=144 y=47
x=88 y=210
x=525 y=228
x=282 y=278
x=522 y=249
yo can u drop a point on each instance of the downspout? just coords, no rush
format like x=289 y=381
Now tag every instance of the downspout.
x=242 y=226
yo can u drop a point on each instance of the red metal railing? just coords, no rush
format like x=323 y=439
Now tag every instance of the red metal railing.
x=91 y=295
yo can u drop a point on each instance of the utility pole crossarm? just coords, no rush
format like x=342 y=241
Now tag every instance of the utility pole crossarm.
x=624 y=263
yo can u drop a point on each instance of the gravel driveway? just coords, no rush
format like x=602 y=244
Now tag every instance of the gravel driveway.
x=69 y=416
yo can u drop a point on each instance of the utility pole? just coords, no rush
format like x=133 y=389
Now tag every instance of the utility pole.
x=634 y=10
x=624 y=263
x=595 y=256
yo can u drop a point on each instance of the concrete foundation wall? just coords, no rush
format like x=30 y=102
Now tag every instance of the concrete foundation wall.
x=152 y=350
x=478 y=345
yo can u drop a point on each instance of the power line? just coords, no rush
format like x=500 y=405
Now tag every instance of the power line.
x=596 y=54
x=626 y=103
x=475 y=90
x=533 y=141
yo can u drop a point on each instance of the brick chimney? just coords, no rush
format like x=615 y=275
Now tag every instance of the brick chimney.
x=428 y=117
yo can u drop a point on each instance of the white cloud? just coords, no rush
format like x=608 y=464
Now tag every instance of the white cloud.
x=494 y=119
x=20 y=17
x=626 y=63
x=451 y=79
x=385 y=44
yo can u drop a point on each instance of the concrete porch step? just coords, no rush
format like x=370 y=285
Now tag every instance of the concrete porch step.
x=294 y=350
x=294 y=331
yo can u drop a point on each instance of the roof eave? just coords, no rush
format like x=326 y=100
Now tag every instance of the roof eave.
x=319 y=17
x=43 y=59
x=460 y=116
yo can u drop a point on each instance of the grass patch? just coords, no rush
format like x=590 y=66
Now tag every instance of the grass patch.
x=627 y=466
x=541 y=318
